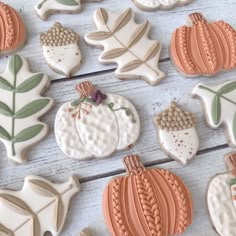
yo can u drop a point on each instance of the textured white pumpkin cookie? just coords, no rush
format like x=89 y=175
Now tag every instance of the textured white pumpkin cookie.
x=39 y=207
x=61 y=49
x=122 y=38
x=21 y=105
x=177 y=133
x=152 y=5
x=219 y=103
x=221 y=199
x=96 y=125
x=44 y=8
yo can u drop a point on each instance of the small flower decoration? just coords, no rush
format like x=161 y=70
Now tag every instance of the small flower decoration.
x=97 y=96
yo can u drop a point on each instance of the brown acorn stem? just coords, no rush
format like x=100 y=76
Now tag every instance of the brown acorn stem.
x=230 y=160
x=133 y=164
x=196 y=17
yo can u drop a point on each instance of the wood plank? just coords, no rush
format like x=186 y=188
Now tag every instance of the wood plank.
x=164 y=23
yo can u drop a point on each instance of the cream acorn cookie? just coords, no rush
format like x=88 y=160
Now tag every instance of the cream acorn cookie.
x=177 y=133
x=61 y=49
x=96 y=124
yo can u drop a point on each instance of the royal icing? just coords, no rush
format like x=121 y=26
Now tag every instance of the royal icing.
x=21 y=104
x=96 y=124
x=121 y=37
x=177 y=134
x=12 y=30
x=61 y=49
x=151 y=5
x=38 y=208
x=220 y=106
x=85 y=232
x=221 y=199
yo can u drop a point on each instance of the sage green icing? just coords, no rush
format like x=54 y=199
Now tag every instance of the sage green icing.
x=29 y=84
x=4 y=134
x=68 y=2
x=216 y=109
x=5 y=109
x=4 y=84
x=234 y=126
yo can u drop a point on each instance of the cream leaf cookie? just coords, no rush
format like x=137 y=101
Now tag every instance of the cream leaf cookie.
x=61 y=49
x=39 y=207
x=152 y=5
x=220 y=106
x=121 y=37
x=96 y=124
x=21 y=105
x=177 y=133
x=221 y=198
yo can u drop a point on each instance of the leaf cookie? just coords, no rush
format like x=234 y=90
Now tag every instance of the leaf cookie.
x=177 y=133
x=221 y=199
x=122 y=40
x=61 y=49
x=220 y=106
x=38 y=208
x=146 y=202
x=96 y=125
x=152 y=5
x=21 y=104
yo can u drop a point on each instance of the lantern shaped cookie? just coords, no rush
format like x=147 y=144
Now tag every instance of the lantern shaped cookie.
x=177 y=134
x=12 y=30
x=147 y=202
x=96 y=124
x=221 y=199
x=203 y=48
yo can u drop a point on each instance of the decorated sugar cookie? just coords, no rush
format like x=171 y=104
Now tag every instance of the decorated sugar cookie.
x=152 y=5
x=21 y=105
x=85 y=232
x=38 y=208
x=220 y=106
x=177 y=134
x=121 y=37
x=203 y=48
x=12 y=30
x=146 y=202
x=221 y=199
x=61 y=49
x=44 y=8
x=96 y=125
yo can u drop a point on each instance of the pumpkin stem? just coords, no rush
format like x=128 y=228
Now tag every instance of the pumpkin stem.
x=196 y=17
x=133 y=164
x=230 y=160
x=85 y=88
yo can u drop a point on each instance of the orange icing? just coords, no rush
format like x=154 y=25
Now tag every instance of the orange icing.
x=204 y=48
x=12 y=29
x=147 y=202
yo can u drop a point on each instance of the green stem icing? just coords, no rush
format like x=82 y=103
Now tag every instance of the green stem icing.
x=13 y=118
x=232 y=181
x=221 y=96
x=41 y=4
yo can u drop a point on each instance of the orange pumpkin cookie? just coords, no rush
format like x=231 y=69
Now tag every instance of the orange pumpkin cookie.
x=203 y=48
x=12 y=30
x=147 y=202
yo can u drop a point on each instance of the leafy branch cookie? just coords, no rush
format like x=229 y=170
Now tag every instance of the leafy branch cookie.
x=122 y=38
x=220 y=106
x=96 y=125
x=21 y=104
x=38 y=208
x=61 y=49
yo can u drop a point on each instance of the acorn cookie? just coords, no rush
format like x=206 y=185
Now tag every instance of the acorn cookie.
x=177 y=133
x=61 y=49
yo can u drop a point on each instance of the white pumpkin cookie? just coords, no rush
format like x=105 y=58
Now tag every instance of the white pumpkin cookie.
x=96 y=124
x=220 y=106
x=152 y=5
x=177 y=133
x=61 y=49
x=122 y=38
x=21 y=105
x=221 y=199
x=39 y=207
x=44 y=8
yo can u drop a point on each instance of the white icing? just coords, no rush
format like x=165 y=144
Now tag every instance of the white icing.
x=99 y=133
x=23 y=99
x=220 y=205
x=63 y=59
x=228 y=109
x=43 y=204
x=181 y=145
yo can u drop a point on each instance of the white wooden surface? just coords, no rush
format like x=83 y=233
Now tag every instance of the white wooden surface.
x=48 y=161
